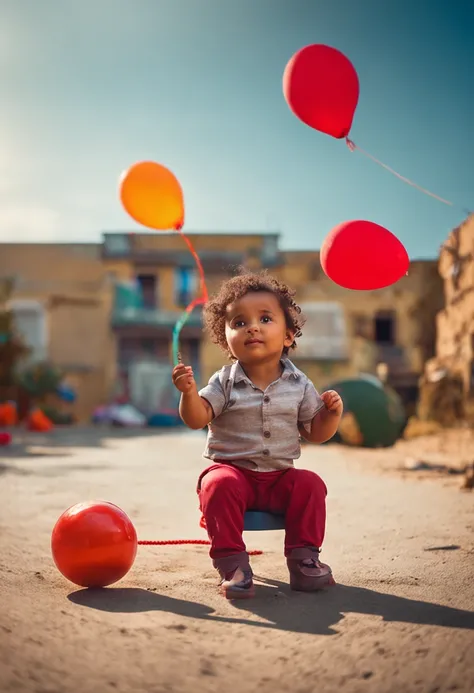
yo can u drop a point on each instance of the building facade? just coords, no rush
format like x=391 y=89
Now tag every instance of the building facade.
x=155 y=278
x=106 y=312
x=346 y=333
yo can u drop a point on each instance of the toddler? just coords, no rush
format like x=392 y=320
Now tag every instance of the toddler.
x=256 y=410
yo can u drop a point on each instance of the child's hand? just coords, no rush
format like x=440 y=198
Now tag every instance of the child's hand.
x=332 y=402
x=183 y=378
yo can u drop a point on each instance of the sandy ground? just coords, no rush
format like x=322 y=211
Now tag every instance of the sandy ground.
x=400 y=619
x=441 y=457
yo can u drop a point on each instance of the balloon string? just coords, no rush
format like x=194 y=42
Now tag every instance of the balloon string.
x=202 y=542
x=181 y=542
x=204 y=294
x=180 y=324
x=352 y=146
x=201 y=300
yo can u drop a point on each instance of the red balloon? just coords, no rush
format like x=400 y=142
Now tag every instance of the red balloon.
x=321 y=87
x=364 y=256
x=94 y=544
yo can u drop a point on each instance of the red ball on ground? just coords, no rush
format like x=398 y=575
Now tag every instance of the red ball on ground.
x=94 y=544
x=363 y=256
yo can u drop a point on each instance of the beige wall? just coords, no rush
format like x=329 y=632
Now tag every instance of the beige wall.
x=200 y=241
x=69 y=281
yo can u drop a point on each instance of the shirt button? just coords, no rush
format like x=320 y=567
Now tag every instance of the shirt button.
x=266 y=399
x=267 y=434
x=266 y=453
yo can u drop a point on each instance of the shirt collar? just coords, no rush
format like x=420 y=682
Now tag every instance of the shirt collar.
x=237 y=373
x=289 y=369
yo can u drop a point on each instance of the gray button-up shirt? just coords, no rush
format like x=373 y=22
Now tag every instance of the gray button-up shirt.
x=254 y=429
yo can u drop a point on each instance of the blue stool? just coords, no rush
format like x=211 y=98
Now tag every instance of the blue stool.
x=258 y=521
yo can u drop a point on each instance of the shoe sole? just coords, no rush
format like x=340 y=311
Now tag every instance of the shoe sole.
x=230 y=593
x=297 y=584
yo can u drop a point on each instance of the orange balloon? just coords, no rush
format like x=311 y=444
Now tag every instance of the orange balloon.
x=152 y=195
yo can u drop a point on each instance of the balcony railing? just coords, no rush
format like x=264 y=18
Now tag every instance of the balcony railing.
x=153 y=317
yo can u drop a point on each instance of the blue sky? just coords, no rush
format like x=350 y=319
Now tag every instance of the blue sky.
x=196 y=85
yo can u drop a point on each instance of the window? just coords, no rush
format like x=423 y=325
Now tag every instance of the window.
x=31 y=324
x=148 y=346
x=270 y=248
x=384 y=328
x=147 y=286
x=324 y=333
x=184 y=285
x=116 y=244
x=127 y=348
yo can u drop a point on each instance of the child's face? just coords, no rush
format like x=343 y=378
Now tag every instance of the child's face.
x=256 y=328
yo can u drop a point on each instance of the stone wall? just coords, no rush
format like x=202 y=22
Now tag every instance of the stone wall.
x=455 y=322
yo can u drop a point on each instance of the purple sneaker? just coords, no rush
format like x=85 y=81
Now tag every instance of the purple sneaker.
x=307 y=573
x=238 y=585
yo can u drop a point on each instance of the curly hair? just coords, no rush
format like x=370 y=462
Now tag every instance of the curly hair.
x=245 y=282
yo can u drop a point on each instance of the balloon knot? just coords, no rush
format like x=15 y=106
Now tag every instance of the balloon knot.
x=350 y=144
x=179 y=226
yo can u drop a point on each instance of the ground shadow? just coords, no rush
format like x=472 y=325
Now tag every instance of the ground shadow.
x=285 y=610
x=10 y=469
x=33 y=450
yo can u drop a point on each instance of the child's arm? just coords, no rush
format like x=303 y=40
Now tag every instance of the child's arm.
x=195 y=411
x=325 y=422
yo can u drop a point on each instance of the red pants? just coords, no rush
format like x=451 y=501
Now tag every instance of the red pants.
x=226 y=492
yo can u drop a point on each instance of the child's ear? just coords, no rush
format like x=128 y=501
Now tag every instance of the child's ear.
x=289 y=339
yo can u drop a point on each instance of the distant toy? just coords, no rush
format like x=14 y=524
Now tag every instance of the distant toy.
x=374 y=415
x=5 y=438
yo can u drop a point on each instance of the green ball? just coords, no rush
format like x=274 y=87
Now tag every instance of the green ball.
x=374 y=415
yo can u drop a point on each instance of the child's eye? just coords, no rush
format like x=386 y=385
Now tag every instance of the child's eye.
x=239 y=323
x=266 y=318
